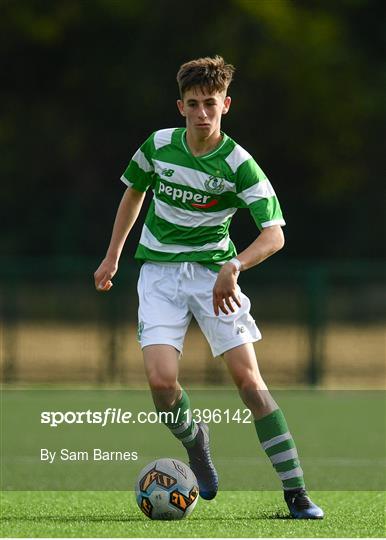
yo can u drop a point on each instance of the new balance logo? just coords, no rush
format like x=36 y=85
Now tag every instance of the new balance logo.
x=167 y=172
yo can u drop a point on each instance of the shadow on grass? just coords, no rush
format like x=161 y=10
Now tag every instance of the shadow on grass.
x=277 y=515
x=139 y=518
x=68 y=519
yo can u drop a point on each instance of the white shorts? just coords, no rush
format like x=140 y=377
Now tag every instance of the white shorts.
x=171 y=293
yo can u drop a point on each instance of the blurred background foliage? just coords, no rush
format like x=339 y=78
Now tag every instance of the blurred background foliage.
x=85 y=81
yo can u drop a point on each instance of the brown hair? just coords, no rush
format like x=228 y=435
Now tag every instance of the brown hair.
x=210 y=74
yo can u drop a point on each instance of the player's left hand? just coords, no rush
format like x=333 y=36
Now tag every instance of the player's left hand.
x=225 y=290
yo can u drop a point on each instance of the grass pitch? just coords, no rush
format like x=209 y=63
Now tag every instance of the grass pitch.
x=335 y=454
x=231 y=514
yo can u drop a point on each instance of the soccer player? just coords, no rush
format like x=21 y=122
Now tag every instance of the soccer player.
x=200 y=177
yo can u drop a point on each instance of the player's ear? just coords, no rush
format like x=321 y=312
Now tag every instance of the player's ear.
x=227 y=104
x=180 y=105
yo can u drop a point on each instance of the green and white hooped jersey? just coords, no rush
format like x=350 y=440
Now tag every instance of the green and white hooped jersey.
x=196 y=197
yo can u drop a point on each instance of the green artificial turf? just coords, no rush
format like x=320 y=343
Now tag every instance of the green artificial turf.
x=231 y=514
x=327 y=427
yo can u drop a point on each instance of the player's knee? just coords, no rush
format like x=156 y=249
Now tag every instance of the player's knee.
x=250 y=382
x=164 y=395
x=164 y=391
x=254 y=395
x=160 y=384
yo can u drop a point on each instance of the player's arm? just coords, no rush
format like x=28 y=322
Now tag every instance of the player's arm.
x=126 y=216
x=269 y=241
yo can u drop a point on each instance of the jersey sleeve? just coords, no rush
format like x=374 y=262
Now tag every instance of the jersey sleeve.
x=256 y=192
x=139 y=173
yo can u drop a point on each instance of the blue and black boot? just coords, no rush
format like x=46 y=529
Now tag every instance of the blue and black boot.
x=301 y=506
x=201 y=463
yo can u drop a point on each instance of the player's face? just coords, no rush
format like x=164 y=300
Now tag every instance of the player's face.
x=203 y=111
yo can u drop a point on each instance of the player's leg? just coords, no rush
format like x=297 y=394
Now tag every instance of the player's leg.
x=242 y=365
x=232 y=336
x=163 y=321
x=161 y=366
x=272 y=430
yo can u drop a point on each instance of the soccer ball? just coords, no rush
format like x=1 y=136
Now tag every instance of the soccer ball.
x=166 y=489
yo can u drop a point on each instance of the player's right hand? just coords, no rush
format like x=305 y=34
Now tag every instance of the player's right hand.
x=103 y=275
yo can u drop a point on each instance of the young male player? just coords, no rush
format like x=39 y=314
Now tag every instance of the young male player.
x=200 y=177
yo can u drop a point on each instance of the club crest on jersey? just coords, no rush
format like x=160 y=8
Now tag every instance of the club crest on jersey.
x=214 y=185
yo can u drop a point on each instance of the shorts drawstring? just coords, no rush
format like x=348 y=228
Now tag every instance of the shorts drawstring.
x=187 y=270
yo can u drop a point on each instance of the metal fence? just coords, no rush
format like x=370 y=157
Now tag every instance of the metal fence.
x=322 y=324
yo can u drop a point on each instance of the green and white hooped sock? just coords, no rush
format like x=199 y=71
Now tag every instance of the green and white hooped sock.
x=279 y=446
x=180 y=422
